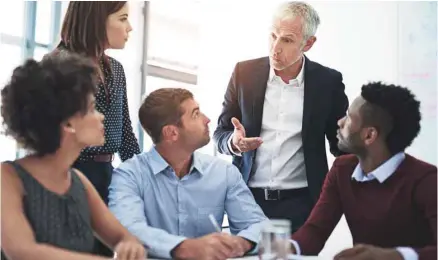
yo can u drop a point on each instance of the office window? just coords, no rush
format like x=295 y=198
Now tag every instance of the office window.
x=11 y=54
x=174 y=36
x=43 y=22
x=26 y=31
x=173 y=50
x=39 y=53
x=12 y=18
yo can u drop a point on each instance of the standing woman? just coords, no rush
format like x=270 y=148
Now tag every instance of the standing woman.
x=90 y=28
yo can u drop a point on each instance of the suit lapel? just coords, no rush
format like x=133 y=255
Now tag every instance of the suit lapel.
x=310 y=90
x=259 y=84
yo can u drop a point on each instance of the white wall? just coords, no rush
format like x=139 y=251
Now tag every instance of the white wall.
x=417 y=68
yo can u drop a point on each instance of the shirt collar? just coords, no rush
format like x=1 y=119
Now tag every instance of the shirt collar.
x=158 y=164
x=382 y=172
x=299 y=78
x=197 y=164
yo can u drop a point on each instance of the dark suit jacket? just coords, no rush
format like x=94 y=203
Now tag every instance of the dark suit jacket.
x=324 y=104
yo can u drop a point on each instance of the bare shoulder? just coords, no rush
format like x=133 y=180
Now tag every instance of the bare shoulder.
x=10 y=180
x=83 y=178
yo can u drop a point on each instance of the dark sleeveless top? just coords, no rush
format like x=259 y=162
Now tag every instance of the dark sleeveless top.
x=62 y=221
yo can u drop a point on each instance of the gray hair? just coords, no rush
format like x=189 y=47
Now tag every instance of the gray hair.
x=309 y=15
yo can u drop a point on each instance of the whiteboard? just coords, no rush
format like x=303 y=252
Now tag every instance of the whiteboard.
x=417 y=69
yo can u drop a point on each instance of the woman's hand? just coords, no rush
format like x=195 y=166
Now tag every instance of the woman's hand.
x=129 y=250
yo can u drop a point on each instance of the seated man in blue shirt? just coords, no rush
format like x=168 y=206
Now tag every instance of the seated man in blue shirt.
x=165 y=196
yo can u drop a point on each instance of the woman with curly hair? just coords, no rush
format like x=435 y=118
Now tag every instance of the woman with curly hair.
x=50 y=210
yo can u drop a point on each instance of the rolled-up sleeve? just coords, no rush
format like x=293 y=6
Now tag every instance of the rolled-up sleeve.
x=126 y=203
x=245 y=216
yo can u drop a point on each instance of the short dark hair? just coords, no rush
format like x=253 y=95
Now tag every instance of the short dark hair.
x=42 y=95
x=394 y=111
x=84 y=26
x=160 y=108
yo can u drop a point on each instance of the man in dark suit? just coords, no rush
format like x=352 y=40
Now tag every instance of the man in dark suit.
x=276 y=114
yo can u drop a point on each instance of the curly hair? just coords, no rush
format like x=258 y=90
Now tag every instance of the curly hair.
x=42 y=95
x=394 y=110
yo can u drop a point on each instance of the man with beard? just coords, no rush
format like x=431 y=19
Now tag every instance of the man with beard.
x=172 y=197
x=388 y=197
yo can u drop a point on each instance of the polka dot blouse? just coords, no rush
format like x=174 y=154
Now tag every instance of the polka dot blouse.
x=111 y=100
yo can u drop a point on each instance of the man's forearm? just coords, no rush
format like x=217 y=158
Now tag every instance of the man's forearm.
x=159 y=242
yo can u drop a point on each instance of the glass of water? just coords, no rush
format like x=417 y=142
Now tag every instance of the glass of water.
x=274 y=243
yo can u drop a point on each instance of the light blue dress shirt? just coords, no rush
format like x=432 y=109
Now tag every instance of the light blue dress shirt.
x=381 y=173
x=162 y=210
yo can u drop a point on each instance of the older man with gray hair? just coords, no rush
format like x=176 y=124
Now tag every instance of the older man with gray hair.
x=277 y=112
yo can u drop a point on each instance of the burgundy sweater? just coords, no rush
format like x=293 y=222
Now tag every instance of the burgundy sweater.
x=400 y=212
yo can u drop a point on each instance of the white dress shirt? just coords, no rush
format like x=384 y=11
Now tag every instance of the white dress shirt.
x=279 y=162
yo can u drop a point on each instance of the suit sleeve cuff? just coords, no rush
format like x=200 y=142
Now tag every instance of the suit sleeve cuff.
x=230 y=148
x=407 y=253
x=296 y=246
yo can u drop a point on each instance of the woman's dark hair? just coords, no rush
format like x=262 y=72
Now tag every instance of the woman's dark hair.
x=40 y=96
x=84 y=26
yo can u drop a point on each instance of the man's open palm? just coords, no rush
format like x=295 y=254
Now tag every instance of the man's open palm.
x=240 y=142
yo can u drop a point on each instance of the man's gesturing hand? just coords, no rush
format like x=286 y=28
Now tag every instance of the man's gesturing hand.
x=240 y=142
